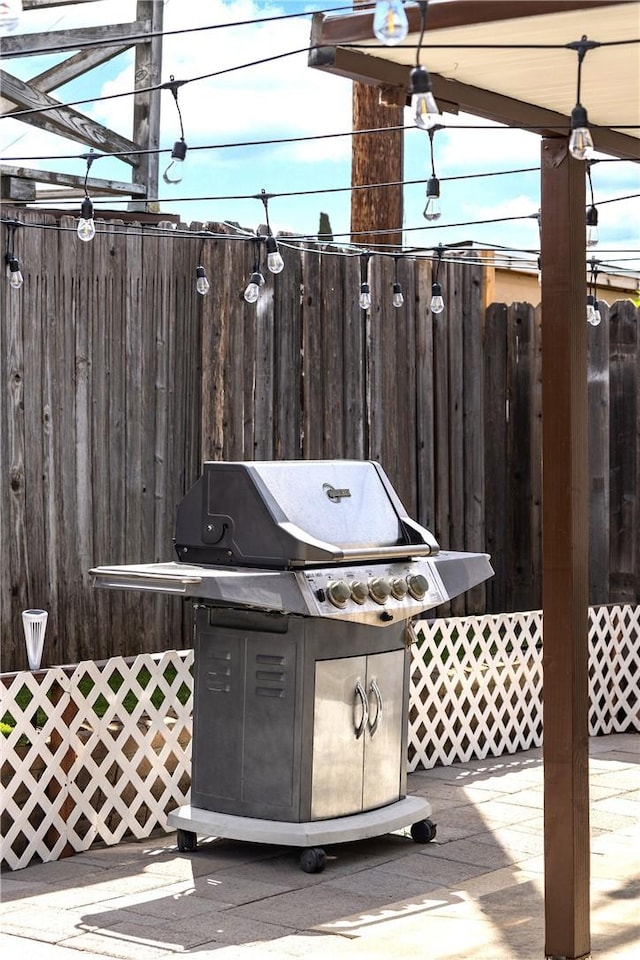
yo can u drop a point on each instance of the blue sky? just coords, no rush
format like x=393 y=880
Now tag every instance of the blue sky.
x=287 y=99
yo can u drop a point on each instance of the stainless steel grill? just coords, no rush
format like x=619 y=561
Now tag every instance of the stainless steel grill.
x=300 y=702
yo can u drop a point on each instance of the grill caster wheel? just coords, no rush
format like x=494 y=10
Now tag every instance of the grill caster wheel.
x=424 y=831
x=313 y=860
x=187 y=841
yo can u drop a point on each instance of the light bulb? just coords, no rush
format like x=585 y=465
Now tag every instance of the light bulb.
x=597 y=316
x=202 y=284
x=423 y=104
x=86 y=226
x=15 y=276
x=252 y=290
x=365 y=296
x=433 y=209
x=591 y=310
x=397 y=299
x=580 y=141
x=175 y=170
x=275 y=263
x=592 y=226
x=437 y=303
x=390 y=23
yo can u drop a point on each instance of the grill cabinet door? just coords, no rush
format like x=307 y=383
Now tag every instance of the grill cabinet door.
x=383 y=740
x=339 y=712
x=359 y=713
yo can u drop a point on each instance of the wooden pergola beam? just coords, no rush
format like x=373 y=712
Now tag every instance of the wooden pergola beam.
x=35 y=44
x=94 y=184
x=365 y=68
x=63 y=121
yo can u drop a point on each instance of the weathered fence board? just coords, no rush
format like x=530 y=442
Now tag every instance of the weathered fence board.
x=624 y=439
x=118 y=378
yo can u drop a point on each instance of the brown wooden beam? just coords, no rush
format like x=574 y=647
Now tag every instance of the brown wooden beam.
x=565 y=552
x=365 y=68
x=358 y=26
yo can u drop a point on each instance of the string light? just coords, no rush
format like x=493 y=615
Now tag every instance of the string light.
x=365 y=289
x=202 y=282
x=423 y=104
x=433 y=210
x=397 y=298
x=14 y=274
x=594 y=317
x=86 y=229
x=252 y=289
x=175 y=170
x=580 y=140
x=437 y=301
x=592 y=213
x=275 y=263
x=390 y=23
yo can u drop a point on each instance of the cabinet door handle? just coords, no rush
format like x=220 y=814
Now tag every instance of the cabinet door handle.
x=360 y=727
x=375 y=689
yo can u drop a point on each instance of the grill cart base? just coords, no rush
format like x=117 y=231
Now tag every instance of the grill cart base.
x=413 y=811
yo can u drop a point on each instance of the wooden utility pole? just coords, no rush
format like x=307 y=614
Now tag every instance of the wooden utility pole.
x=377 y=158
x=565 y=553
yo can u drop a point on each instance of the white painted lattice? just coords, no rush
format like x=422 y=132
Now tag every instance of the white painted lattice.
x=101 y=752
x=476 y=685
x=98 y=753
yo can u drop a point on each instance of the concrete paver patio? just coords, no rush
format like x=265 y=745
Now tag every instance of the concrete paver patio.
x=475 y=892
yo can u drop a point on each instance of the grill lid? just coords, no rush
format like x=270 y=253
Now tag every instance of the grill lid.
x=284 y=514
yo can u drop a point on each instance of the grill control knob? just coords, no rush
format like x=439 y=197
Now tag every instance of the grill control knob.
x=338 y=592
x=399 y=587
x=359 y=591
x=418 y=585
x=379 y=589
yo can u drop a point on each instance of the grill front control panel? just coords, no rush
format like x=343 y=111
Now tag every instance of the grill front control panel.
x=373 y=591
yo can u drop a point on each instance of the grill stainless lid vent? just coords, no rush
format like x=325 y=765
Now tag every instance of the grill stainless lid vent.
x=285 y=514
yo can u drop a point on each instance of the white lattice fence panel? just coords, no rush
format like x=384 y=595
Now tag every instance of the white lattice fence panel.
x=477 y=683
x=476 y=688
x=614 y=669
x=34 y=757
x=126 y=753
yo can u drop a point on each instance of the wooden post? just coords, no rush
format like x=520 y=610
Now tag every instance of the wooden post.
x=565 y=552
x=146 y=106
x=376 y=158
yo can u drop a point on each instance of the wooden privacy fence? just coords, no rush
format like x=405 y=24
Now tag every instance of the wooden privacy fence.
x=102 y=751
x=117 y=379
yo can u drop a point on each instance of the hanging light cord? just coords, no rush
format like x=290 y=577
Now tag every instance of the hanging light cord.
x=265 y=197
x=594 y=276
x=174 y=85
x=88 y=158
x=582 y=46
x=424 y=6
x=593 y=203
x=431 y=132
x=439 y=252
